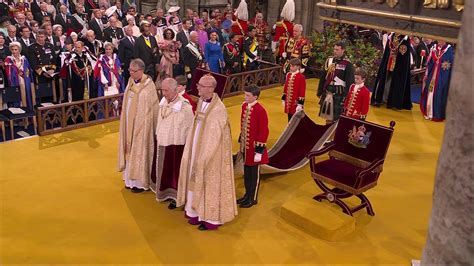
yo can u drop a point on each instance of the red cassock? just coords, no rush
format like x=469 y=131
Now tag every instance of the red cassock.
x=254 y=132
x=294 y=91
x=357 y=102
x=283 y=31
x=240 y=28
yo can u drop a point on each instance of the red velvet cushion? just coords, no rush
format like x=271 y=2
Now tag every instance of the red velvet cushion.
x=342 y=172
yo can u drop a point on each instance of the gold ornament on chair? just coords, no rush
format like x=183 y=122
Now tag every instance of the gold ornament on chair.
x=458 y=5
x=392 y=3
x=436 y=4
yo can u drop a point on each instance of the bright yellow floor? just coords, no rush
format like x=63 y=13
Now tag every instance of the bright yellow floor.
x=62 y=201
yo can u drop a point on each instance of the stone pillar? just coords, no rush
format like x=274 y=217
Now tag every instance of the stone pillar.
x=450 y=238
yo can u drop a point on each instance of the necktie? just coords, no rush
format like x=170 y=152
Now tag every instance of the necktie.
x=147 y=41
x=132 y=40
x=100 y=24
x=27 y=42
x=64 y=17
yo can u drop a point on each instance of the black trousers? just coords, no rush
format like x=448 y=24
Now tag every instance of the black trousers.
x=289 y=117
x=251 y=181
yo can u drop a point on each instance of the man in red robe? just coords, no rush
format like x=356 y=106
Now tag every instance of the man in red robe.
x=297 y=47
x=253 y=138
x=240 y=25
x=261 y=26
x=294 y=90
x=283 y=29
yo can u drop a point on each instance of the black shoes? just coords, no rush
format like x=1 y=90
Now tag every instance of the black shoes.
x=172 y=205
x=239 y=201
x=248 y=203
x=137 y=190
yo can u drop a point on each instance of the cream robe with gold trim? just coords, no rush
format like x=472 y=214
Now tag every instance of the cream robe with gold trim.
x=137 y=130
x=206 y=167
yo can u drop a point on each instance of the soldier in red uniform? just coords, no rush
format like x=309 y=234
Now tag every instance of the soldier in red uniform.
x=261 y=26
x=283 y=29
x=297 y=47
x=356 y=104
x=240 y=24
x=253 y=137
x=294 y=90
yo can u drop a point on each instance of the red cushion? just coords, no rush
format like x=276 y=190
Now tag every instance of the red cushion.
x=343 y=172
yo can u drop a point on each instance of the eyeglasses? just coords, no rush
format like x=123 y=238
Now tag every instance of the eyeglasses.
x=132 y=70
x=202 y=85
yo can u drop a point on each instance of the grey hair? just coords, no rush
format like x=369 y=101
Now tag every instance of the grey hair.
x=108 y=44
x=194 y=33
x=138 y=63
x=298 y=26
x=172 y=83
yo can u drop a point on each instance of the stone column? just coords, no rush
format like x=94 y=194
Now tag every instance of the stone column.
x=450 y=238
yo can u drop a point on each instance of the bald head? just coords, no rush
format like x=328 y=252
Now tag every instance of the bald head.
x=206 y=86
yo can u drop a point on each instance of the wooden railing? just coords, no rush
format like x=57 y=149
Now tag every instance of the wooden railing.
x=268 y=76
x=68 y=116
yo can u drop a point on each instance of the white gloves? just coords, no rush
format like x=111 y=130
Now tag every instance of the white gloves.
x=299 y=107
x=302 y=70
x=283 y=103
x=283 y=55
x=189 y=76
x=257 y=158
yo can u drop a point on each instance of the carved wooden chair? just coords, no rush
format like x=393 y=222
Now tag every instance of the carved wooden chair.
x=356 y=158
x=11 y=95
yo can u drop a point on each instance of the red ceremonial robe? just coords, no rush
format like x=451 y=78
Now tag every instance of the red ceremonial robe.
x=240 y=28
x=283 y=31
x=294 y=91
x=254 y=133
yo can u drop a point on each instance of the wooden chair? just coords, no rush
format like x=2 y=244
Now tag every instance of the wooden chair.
x=11 y=95
x=2 y=126
x=356 y=158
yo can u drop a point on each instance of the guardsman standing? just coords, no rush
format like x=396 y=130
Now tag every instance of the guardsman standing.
x=294 y=90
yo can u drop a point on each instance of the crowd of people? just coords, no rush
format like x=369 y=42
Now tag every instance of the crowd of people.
x=81 y=49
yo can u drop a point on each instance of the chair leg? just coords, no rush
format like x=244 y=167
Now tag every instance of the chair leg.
x=3 y=131
x=366 y=203
x=35 y=125
x=343 y=206
x=12 y=130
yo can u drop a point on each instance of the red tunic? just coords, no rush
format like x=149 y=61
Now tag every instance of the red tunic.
x=294 y=91
x=254 y=132
x=240 y=28
x=283 y=31
x=190 y=100
x=357 y=102
x=262 y=28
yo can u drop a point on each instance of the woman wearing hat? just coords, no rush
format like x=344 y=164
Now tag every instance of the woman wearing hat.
x=18 y=73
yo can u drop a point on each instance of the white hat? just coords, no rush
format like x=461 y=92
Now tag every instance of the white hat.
x=173 y=9
x=110 y=11
x=242 y=11
x=288 y=11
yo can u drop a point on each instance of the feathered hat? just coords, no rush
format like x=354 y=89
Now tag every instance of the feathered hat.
x=242 y=11
x=288 y=11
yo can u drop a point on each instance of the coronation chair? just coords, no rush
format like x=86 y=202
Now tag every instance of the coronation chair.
x=356 y=158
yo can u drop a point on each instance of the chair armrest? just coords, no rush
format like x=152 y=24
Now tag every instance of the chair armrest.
x=370 y=168
x=322 y=151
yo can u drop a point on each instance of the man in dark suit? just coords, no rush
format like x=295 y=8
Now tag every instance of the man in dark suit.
x=183 y=35
x=97 y=25
x=192 y=56
x=11 y=37
x=54 y=40
x=35 y=6
x=25 y=40
x=146 y=49
x=113 y=32
x=43 y=13
x=125 y=51
x=67 y=21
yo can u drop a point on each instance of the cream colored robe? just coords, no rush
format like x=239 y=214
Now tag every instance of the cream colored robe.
x=136 y=139
x=175 y=120
x=211 y=175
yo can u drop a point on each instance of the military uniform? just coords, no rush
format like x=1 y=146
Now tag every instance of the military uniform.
x=250 y=53
x=283 y=31
x=110 y=34
x=42 y=58
x=232 y=56
x=297 y=48
x=253 y=138
x=294 y=92
x=337 y=77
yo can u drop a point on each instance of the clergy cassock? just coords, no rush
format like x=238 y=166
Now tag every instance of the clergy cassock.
x=240 y=28
x=253 y=140
x=357 y=102
x=384 y=74
x=283 y=32
x=297 y=48
x=175 y=120
x=108 y=74
x=338 y=73
x=206 y=180
x=137 y=132
x=19 y=73
x=434 y=95
x=82 y=76
x=399 y=96
x=293 y=92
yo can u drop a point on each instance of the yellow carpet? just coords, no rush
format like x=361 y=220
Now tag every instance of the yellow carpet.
x=62 y=201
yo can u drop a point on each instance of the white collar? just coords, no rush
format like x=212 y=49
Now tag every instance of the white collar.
x=176 y=106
